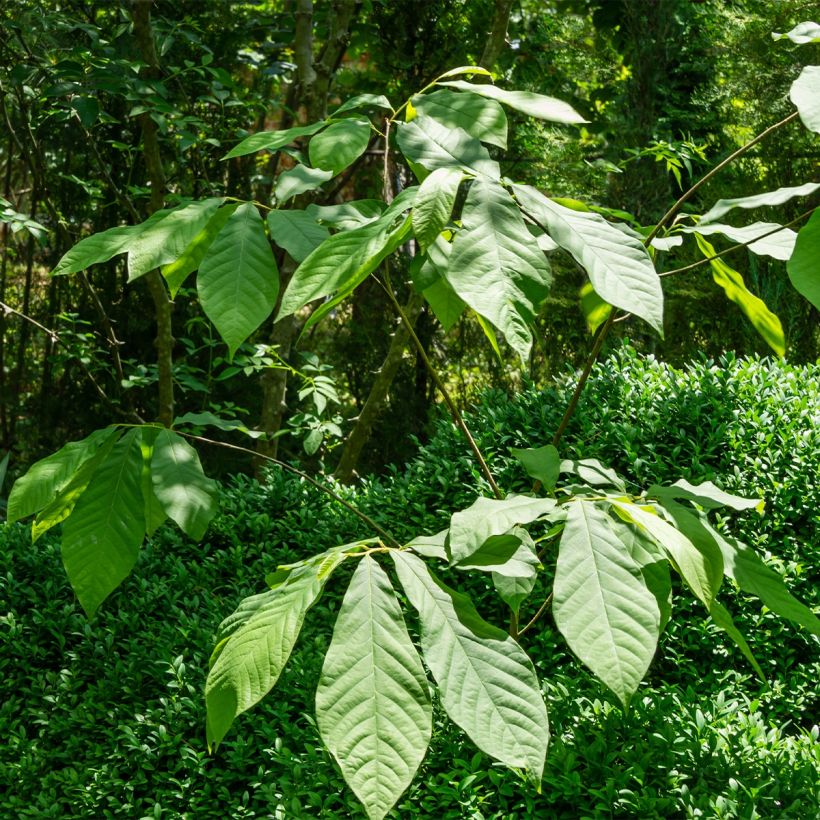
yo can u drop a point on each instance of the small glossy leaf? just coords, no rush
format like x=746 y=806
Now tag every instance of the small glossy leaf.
x=238 y=281
x=340 y=144
x=299 y=180
x=485 y=517
x=487 y=683
x=779 y=245
x=527 y=102
x=601 y=604
x=763 y=320
x=434 y=204
x=103 y=533
x=297 y=232
x=778 y=197
x=185 y=493
x=803 y=266
x=541 y=463
x=272 y=140
x=805 y=94
x=481 y=118
x=618 y=265
x=373 y=702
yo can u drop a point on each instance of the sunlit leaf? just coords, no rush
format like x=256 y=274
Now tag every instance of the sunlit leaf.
x=803 y=267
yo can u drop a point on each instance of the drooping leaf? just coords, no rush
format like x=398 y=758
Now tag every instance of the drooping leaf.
x=299 y=180
x=779 y=245
x=485 y=517
x=206 y=419
x=601 y=603
x=348 y=215
x=487 y=683
x=185 y=493
x=763 y=320
x=176 y=272
x=803 y=266
x=431 y=546
x=47 y=477
x=592 y=472
x=464 y=69
x=250 y=660
x=541 y=463
x=103 y=533
x=512 y=554
x=340 y=144
x=618 y=265
x=272 y=140
x=805 y=94
x=446 y=304
x=596 y=311
x=154 y=514
x=527 y=102
x=778 y=197
x=431 y=145
x=238 y=280
x=513 y=589
x=801 y=34
x=434 y=204
x=494 y=266
x=361 y=101
x=706 y=494
x=297 y=232
x=166 y=240
x=480 y=117
x=723 y=619
x=373 y=702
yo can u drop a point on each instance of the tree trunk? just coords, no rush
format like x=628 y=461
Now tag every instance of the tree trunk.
x=497 y=36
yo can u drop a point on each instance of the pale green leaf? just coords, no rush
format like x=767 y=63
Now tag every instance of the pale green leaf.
x=779 y=245
x=103 y=533
x=763 y=320
x=801 y=34
x=804 y=266
x=185 y=493
x=805 y=94
x=601 y=604
x=527 y=102
x=206 y=419
x=434 y=204
x=513 y=589
x=348 y=215
x=431 y=546
x=511 y=554
x=465 y=69
x=363 y=101
x=340 y=144
x=592 y=472
x=618 y=265
x=299 y=180
x=480 y=117
x=297 y=232
x=238 y=280
x=249 y=661
x=706 y=494
x=541 y=463
x=485 y=517
x=176 y=272
x=722 y=618
x=431 y=145
x=272 y=140
x=487 y=684
x=373 y=701
x=495 y=267
x=778 y=197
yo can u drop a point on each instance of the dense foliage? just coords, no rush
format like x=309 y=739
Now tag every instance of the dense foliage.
x=105 y=718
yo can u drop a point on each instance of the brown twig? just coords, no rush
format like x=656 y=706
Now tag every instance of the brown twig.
x=541 y=610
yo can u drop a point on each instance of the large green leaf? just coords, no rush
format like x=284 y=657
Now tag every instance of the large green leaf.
x=238 y=280
x=769 y=198
x=619 y=266
x=272 y=140
x=706 y=494
x=346 y=259
x=185 y=493
x=495 y=266
x=480 y=117
x=763 y=320
x=177 y=272
x=805 y=94
x=779 y=245
x=601 y=603
x=47 y=477
x=373 y=701
x=446 y=304
x=166 y=240
x=434 y=204
x=801 y=34
x=512 y=554
x=103 y=533
x=527 y=102
x=485 y=517
x=340 y=144
x=298 y=180
x=803 y=267
x=541 y=463
x=428 y=143
x=250 y=660
x=363 y=101
x=487 y=683
x=297 y=232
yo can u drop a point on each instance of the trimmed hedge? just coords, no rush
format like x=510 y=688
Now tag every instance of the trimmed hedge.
x=105 y=718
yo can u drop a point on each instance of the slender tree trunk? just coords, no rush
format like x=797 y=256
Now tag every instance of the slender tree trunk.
x=4 y=249
x=497 y=36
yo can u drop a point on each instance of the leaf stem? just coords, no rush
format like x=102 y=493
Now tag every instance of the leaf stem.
x=541 y=610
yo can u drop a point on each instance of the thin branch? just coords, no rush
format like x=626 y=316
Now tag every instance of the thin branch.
x=319 y=486
x=541 y=610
